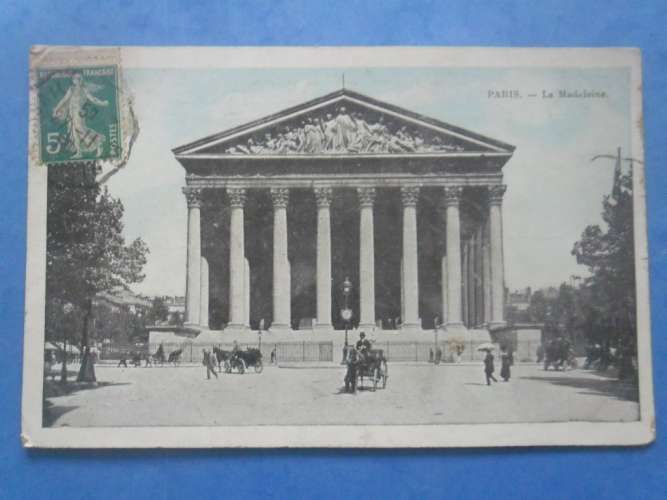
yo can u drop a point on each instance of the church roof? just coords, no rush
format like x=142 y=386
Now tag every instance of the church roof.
x=343 y=123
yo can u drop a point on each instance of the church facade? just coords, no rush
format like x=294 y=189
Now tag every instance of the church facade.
x=283 y=210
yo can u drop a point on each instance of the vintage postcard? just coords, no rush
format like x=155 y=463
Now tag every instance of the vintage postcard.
x=336 y=247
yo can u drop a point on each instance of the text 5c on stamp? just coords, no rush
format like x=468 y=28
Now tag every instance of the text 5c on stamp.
x=78 y=114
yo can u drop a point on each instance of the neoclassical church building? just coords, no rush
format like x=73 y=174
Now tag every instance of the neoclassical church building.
x=405 y=209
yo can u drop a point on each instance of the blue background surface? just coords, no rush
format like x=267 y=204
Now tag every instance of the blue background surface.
x=542 y=473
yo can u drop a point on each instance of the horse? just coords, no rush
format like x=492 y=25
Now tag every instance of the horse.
x=158 y=357
x=175 y=357
x=223 y=358
x=136 y=359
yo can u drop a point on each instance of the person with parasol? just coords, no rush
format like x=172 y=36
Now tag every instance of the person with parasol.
x=488 y=362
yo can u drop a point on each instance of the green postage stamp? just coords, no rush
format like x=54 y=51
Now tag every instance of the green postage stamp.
x=78 y=114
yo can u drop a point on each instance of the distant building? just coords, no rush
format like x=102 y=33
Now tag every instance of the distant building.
x=120 y=298
x=550 y=293
x=176 y=307
x=519 y=299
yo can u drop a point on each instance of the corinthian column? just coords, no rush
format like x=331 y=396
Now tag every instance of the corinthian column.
x=237 y=320
x=486 y=271
x=366 y=259
x=203 y=294
x=281 y=273
x=497 y=266
x=192 y=282
x=452 y=200
x=323 y=197
x=409 y=197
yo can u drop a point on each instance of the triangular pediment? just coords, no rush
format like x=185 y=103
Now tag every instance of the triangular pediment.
x=343 y=123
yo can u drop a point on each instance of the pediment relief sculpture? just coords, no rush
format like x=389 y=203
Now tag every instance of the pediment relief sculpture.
x=343 y=132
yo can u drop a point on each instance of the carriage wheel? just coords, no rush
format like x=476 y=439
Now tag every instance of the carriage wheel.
x=376 y=378
x=228 y=367
x=258 y=366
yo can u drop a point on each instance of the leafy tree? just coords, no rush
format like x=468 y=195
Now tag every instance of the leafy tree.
x=176 y=319
x=86 y=250
x=158 y=311
x=608 y=252
x=537 y=310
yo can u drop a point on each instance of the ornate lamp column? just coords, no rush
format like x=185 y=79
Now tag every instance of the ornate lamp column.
x=193 y=277
x=281 y=271
x=237 y=197
x=497 y=267
x=452 y=200
x=409 y=197
x=323 y=197
x=366 y=258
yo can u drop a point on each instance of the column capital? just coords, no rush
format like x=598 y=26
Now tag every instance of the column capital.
x=453 y=195
x=366 y=196
x=193 y=196
x=496 y=193
x=323 y=196
x=410 y=196
x=236 y=197
x=280 y=197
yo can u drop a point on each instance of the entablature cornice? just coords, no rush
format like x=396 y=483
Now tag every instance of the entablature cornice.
x=358 y=181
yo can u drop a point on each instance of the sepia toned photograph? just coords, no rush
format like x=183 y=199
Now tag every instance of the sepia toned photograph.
x=348 y=247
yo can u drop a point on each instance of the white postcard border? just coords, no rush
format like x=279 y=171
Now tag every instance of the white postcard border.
x=352 y=436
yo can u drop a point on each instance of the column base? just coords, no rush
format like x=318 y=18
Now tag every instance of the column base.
x=495 y=325
x=454 y=326
x=410 y=327
x=323 y=327
x=454 y=323
x=280 y=327
x=237 y=327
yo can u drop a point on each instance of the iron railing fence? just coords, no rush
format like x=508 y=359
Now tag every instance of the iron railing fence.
x=324 y=351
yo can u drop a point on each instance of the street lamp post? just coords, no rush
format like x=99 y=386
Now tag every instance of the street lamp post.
x=346 y=312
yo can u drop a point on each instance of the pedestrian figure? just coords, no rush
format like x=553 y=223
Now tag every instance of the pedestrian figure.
x=438 y=355
x=123 y=360
x=149 y=360
x=507 y=360
x=209 y=363
x=489 y=368
x=430 y=355
x=273 y=356
x=48 y=364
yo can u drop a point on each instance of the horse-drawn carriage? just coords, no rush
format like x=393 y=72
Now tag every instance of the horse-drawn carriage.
x=370 y=364
x=159 y=357
x=559 y=354
x=239 y=360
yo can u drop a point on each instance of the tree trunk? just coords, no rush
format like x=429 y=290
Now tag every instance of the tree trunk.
x=87 y=370
x=63 y=368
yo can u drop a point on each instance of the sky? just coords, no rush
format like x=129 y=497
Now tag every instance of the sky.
x=554 y=190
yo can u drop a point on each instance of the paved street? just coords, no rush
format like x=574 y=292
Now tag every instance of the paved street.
x=415 y=394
